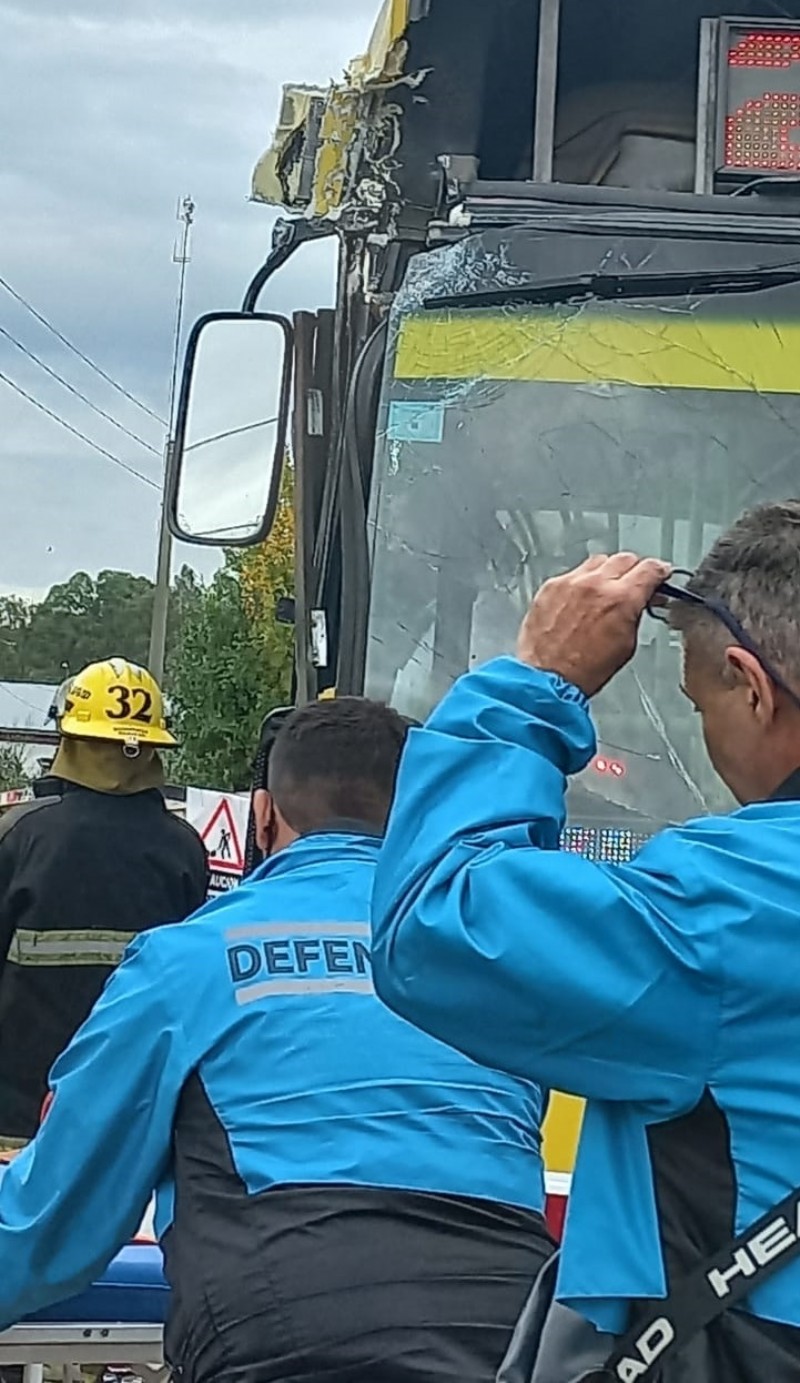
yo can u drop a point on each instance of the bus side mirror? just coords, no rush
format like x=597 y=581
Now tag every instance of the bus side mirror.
x=227 y=457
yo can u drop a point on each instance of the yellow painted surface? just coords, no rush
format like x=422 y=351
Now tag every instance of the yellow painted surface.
x=338 y=128
x=347 y=107
x=378 y=62
x=561 y=1132
x=295 y=107
x=651 y=350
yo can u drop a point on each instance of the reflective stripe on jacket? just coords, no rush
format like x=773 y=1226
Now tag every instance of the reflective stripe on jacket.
x=81 y=874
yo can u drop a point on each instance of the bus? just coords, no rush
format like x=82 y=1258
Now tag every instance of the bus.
x=567 y=321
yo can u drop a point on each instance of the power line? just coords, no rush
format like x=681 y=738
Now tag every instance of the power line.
x=63 y=423
x=5 y=688
x=78 y=395
x=80 y=354
x=231 y=432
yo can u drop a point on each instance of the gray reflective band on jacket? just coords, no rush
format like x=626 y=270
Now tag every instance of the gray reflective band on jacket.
x=89 y=947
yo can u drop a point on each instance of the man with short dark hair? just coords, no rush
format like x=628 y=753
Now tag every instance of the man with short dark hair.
x=339 y=1196
x=665 y=991
x=312 y=773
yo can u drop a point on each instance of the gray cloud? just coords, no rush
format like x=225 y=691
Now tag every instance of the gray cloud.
x=114 y=110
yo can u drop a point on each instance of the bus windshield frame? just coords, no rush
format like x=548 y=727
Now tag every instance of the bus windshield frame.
x=515 y=441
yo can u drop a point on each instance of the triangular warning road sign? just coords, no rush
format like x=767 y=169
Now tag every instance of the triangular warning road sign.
x=221 y=839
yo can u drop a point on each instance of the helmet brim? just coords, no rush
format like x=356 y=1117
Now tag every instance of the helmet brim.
x=118 y=734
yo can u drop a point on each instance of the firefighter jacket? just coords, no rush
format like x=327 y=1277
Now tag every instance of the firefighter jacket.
x=241 y=1055
x=664 y=991
x=81 y=873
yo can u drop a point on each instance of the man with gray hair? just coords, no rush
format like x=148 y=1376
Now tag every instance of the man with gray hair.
x=665 y=991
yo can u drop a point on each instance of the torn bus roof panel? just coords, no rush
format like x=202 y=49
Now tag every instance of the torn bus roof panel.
x=277 y=177
x=314 y=160
x=385 y=57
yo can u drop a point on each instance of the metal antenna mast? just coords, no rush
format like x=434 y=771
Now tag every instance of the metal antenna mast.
x=181 y=255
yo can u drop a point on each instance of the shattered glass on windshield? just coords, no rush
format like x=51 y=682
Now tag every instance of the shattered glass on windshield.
x=517 y=441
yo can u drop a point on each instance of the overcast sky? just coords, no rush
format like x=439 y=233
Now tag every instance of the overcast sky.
x=112 y=110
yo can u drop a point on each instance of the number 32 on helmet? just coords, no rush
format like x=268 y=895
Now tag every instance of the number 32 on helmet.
x=115 y=700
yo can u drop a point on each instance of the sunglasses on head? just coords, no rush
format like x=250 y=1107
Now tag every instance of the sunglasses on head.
x=671 y=590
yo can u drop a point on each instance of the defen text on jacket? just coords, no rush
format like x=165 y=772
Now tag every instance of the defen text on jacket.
x=665 y=991
x=338 y=1195
x=81 y=874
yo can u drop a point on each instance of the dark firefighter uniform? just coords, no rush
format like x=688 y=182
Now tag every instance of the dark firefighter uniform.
x=82 y=871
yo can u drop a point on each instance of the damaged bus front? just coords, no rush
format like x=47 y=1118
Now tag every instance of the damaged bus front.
x=567 y=321
x=641 y=405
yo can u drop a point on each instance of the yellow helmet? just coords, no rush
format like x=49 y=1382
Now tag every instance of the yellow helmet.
x=118 y=701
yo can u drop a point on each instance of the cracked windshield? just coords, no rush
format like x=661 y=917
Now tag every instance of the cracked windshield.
x=517 y=441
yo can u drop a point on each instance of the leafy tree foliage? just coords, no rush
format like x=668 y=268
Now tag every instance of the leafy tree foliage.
x=13 y=772
x=228 y=661
x=80 y=621
x=232 y=661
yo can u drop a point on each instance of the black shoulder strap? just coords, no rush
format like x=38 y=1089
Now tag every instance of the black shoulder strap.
x=720 y=1283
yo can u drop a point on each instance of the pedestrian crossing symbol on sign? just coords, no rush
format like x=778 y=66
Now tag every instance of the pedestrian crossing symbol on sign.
x=221 y=839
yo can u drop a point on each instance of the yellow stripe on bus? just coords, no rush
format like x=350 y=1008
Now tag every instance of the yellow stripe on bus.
x=652 y=350
x=562 y=1129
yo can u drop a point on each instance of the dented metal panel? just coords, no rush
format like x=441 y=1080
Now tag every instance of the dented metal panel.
x=346 y=134
x=276 y=179
x=385 y=54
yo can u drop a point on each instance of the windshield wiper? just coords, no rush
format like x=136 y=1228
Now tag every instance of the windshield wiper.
x=611 y=286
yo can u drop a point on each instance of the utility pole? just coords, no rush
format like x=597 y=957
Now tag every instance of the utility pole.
x=181 y=255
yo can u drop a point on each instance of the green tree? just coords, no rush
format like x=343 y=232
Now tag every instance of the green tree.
x=232 y=662
x=214 y=686
x=228 y=661
x=82 y=621
x=13 y=773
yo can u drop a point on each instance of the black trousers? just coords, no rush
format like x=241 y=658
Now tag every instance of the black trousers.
x=342 y=1285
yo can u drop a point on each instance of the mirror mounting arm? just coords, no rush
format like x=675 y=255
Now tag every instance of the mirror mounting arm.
x=287 y=237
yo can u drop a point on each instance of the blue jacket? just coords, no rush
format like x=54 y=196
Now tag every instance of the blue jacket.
x=263 y=1002
x=654 y=989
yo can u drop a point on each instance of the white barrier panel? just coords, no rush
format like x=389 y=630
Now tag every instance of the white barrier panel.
x=221 y=820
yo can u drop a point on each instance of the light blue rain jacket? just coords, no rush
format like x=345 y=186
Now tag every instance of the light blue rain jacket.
x=642 y=987
x=266 y=996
